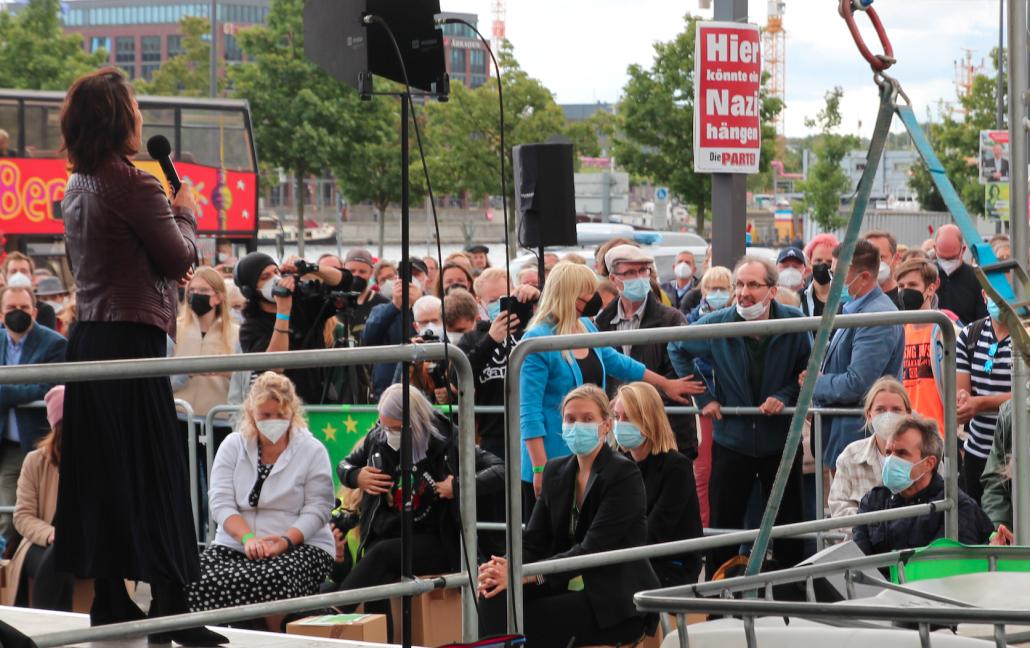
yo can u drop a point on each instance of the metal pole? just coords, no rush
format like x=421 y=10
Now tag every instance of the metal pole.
x=1000 y=121
x=214 y=49
x=407 y=513
x=729 y=190
x=1018 y=231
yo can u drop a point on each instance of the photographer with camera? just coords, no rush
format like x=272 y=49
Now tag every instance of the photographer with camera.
x=384 y=324
x=287 y=308
x=485 y=346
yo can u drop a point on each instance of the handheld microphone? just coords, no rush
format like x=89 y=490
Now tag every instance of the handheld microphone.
x=160 y=150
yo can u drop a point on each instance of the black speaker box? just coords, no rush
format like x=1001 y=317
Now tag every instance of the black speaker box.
x=338 y=41
x=546 y=196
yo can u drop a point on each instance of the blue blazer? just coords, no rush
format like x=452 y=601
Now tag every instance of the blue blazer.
x=544 y=381
x=383 y=327
x=855 y=359
x=41 y=346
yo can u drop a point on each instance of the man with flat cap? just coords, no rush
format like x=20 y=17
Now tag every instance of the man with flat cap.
x=480 y=257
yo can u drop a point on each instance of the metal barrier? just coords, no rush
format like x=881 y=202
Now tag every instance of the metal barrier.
x=157 y=367
x=696 y=332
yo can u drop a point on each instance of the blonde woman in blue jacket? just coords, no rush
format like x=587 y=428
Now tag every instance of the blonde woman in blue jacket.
x=568 y=300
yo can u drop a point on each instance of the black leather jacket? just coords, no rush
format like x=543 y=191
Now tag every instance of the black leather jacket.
x=126 y=246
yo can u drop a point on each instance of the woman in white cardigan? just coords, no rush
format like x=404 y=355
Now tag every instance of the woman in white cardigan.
x=271 y=495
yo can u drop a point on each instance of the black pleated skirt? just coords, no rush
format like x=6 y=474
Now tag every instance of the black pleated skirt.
x=123 y=508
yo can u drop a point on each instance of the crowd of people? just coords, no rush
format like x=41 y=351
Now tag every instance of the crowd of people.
x=603 y=466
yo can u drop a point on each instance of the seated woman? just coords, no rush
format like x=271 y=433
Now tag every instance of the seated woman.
x=642 y=430
x=591 y=501
x=860 y=465
x=271 y=495
x=34 y=517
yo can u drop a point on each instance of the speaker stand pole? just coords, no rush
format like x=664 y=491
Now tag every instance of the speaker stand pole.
x=540 y=272
x=406 y=463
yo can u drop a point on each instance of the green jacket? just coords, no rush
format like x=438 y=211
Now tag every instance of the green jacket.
x=997 y=479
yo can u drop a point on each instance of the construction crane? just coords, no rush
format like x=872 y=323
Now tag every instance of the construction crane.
x=774 y=55
x=965 y=73
x=497 y=36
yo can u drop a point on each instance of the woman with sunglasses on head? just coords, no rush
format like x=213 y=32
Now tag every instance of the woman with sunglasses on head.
x=643 y=432
x=568 y=301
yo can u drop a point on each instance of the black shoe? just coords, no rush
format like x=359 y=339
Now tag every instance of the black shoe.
x=111 y=604
x=169 y=599
x=200 y=636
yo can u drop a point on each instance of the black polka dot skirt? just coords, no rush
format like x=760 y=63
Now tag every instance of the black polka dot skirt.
x=228 y=578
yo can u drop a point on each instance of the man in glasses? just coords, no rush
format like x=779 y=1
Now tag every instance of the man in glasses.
x=857 y=357
x=984 y=381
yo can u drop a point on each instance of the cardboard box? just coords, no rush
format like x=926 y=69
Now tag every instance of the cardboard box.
x=356 y=627
x=436 y=618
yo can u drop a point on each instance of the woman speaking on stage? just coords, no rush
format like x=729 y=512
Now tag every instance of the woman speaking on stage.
x=123 y=507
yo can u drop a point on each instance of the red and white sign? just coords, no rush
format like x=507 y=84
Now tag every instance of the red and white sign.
x=727 y=105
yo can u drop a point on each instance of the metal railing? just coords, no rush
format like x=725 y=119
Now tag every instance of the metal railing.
x=159 y=367
x=703 y=332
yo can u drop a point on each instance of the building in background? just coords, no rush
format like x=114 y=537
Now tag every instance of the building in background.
x=890 y=185
x=139 y=35
x=468 y=62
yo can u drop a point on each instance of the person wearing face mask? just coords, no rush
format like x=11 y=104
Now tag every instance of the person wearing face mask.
x=960 y=289
x=291 y=321
x=791 y=265
x=546 y=377
x=716 y=292
x=683 y=268
x=757 y=372
x=19 y=269
x=384 y=323
x=374 y=468
x=889 y=258
x=924 y=343
x=271 y=494
x=642 y=431
x=592 y=501
x=22 y=342
x=51 y=291
x=856 y=357
x=454 y=277
x=819 y=253
x=860 y=465
x=638 y=308
x=911 y=475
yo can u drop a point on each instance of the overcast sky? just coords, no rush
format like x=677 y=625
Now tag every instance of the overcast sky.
x=580 y=49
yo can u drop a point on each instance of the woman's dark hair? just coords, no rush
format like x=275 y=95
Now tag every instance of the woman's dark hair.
x=51 y=445
x=98 y=119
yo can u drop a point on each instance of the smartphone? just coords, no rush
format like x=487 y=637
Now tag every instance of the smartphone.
x=522 y=310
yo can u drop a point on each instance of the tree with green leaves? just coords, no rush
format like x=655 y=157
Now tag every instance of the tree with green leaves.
x=303 y=118
x=35 y=54
x=188 y=73
x=956 y=140
x=654 y=137
x=826 y=180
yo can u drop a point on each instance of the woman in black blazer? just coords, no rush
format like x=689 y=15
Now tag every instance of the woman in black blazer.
x=642 y=430
x=591 y=501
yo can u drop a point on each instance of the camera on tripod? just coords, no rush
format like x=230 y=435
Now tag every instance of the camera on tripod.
x=315 y=287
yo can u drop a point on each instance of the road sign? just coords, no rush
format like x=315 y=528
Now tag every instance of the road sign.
x=727 y=105
x=661 y=193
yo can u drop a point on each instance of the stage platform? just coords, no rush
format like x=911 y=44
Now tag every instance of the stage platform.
x=39 y=622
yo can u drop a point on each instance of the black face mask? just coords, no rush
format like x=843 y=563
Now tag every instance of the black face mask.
x=17 y=321
x=821 y=274
x=911 y=299
x=182 y=293
x=592 y=307
x=201 y=304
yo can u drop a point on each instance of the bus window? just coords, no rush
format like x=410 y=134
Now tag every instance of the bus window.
x=9 y=124
x=157 y=121
x=42 y=130
x=216 y=138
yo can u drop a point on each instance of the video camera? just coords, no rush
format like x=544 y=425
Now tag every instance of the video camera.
x=350 y=287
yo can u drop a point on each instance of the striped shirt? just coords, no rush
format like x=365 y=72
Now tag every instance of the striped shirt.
x=988 y=353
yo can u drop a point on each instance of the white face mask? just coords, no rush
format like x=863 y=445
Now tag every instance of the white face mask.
x=268 y=287
x=752 y=312
x=454 y=337
x=884 y=274
x=950 y=265
x=393 y=439
x=885 y=423
x=791 y=278
x=683 y=270
x=19 y=280
x=273 y=429
x=434 y=328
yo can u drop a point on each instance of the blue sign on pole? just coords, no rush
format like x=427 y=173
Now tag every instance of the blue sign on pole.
x=661 y=193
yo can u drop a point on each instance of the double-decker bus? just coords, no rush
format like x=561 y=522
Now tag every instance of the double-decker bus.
x=212 y=146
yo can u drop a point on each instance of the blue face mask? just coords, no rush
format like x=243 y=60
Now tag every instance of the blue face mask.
x=717 y=299
x=628 y=435
x=636 y=290
x=493 y=309
x=993 y=310
x=897 y=473
x=580 y=437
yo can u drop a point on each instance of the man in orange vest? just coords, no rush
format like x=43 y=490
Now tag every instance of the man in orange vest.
x=921 y=367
